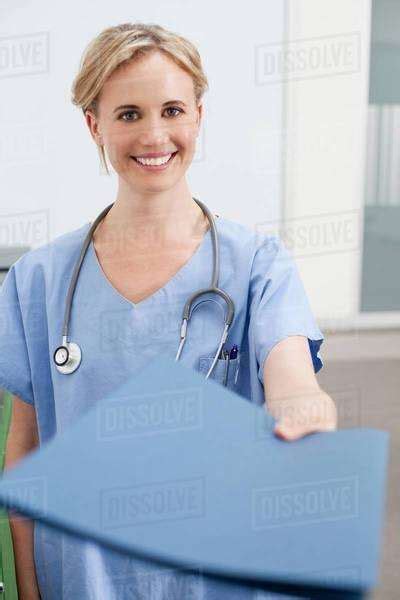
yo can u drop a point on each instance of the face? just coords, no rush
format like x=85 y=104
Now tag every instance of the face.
x=148 y=106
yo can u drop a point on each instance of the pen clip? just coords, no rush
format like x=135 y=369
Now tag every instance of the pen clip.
x=237 y=369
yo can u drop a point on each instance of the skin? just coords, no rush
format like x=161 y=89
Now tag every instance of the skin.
x=292 y=393
x=23 y=438
x=154 y=208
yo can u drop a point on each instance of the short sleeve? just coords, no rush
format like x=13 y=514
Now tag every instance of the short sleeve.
x=279 y=304
x=15 y=371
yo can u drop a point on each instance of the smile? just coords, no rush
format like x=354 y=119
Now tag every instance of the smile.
x=155 y=164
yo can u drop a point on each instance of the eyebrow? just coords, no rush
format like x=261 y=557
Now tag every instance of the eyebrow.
x=134 y=106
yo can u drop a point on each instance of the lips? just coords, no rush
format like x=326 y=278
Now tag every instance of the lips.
x=155 y=168
x=170 y=158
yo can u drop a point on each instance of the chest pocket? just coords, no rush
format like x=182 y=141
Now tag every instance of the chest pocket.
x=219 y=372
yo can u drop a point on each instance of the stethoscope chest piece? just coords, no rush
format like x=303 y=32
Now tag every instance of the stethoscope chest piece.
x=67 y=358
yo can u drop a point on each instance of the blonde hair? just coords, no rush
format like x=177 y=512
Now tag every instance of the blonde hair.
x=119 y=44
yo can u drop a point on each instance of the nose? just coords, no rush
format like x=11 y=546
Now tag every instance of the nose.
x=154 y=133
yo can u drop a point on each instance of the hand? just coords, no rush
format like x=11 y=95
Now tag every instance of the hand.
x=304 y=413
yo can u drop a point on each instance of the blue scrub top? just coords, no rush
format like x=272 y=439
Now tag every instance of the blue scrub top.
x=118 y=338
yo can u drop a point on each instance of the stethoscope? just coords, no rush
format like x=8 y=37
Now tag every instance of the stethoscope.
x=68 y=356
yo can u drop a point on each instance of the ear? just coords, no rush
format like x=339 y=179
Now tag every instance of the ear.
x=199 y=117
x=91 y=122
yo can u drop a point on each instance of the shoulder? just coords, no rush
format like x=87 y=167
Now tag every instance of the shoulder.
x=61 y=246
x=263 y=257
x=232 y=231
x=244 y=239
x=49 y=260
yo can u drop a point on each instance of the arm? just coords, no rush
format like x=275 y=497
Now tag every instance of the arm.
x=292 y=392
x=22 y=439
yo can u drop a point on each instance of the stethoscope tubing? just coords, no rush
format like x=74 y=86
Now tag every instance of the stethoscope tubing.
x=68 y=356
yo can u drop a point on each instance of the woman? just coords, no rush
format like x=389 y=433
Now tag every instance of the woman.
x=140 y=89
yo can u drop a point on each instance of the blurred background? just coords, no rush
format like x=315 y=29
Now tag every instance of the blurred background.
x=301 y=137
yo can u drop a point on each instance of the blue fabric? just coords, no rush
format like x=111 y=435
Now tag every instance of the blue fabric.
x=173 y=467
x=119 y=338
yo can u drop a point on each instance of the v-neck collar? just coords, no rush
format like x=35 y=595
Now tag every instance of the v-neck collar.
x=178 y=275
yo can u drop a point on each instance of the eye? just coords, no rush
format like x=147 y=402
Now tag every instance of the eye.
x=174 y=108
x=131 y=112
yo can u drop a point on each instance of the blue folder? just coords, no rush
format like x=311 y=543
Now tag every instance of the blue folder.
x=183 y=472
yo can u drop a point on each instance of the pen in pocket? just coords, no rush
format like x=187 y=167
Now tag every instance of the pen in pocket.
x=233 y=353
x=227 y=359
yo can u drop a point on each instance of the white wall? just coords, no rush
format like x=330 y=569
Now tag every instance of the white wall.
x=50 y=180
x=326 y=116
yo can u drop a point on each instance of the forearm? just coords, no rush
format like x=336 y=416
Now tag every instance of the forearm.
x=303 y=407
x=292 y=393
x=22 y=536
x=22 y=439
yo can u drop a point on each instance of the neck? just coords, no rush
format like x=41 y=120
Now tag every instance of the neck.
x=154 y=219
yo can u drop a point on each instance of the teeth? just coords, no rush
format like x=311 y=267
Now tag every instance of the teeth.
x=154 y=161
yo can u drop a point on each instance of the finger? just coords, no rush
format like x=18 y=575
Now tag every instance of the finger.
x=287 y=432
